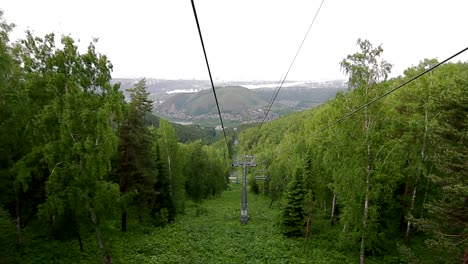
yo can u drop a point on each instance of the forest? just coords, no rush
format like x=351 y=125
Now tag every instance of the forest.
x=78 y=159
x=391 y=181
x=88 y=177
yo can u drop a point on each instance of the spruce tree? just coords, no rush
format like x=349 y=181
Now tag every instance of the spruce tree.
x=293 y=214
x=163 y=210
x=135 y=167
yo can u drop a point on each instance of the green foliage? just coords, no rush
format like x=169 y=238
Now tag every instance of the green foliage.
x=58 y=133
x=365 y=67
x=195 y=172
x=171 y=161
x=7 y=238
x=190 y=133
x=215 y=236
x=293 y=214
x=233 y=99
x=446 y=219
x=205 y=179
x=135 y=166
x=254 y=186
x=404 y=155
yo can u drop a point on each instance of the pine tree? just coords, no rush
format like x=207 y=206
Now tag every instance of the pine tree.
x=135 y=168
x=293 y=213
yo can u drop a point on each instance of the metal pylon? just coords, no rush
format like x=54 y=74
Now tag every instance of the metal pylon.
x=249 y=161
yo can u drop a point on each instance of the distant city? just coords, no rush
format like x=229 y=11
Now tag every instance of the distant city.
x=190 y=101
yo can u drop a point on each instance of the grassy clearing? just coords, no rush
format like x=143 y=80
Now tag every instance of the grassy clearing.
x=214 y=236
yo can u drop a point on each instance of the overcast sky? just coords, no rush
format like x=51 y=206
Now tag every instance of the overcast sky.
x=248 y=39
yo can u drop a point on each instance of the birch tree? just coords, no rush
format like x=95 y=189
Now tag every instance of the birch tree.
x=73 y=133
x=365 y=70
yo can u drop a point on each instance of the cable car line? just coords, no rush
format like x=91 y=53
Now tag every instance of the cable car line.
x=211 y=78
x=349 y=114
x=346 y=116
x=277 y=90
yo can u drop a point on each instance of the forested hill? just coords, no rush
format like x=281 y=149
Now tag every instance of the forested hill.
x=240 y=105
x=233 y=100
x=186 y=133
x=390 y=183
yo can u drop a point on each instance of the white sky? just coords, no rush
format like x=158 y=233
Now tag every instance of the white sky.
x=248 y=39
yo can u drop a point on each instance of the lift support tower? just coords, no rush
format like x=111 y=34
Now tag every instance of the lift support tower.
x=249 y=161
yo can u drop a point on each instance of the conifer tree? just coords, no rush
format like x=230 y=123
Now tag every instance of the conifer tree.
x=293 y=213
x=135 y=168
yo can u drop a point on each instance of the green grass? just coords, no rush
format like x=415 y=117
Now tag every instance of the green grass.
x=215 y=236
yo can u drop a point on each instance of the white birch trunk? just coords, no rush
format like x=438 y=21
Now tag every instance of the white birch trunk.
x=366 y=200
x=333 y=209
x=168 y=164
x=106 y=257
x=19 y=236
x=420 y=173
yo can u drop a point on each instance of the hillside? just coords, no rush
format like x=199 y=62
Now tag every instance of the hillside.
x=241 y=105
x=185 y=133
x=394 y=173
x=232 y=99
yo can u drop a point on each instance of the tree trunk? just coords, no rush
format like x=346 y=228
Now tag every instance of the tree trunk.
x=366 y=200
x=123 y=222
x=332 y=221
x=105 y=253
x=308 y=226
x=170 y=174
x=80 y=242
x=19 y=236
x=465 y=257
x=404 y=202
x=168 y=164
x=420 y=173
x=410 y=214
x=365 y=218
x=424 y=195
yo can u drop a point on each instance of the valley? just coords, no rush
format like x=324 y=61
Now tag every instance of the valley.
x=190 y=102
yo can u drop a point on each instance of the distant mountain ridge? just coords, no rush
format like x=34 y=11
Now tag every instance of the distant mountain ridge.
x=177 y=101
x=231 y=99
x=241 y=105
x=161 y=86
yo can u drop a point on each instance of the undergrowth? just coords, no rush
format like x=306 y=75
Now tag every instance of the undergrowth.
x=206 y=233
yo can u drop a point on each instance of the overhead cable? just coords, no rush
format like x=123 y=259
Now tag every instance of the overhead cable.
x=346 y=116
x=211 y=78
x=277 y=90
